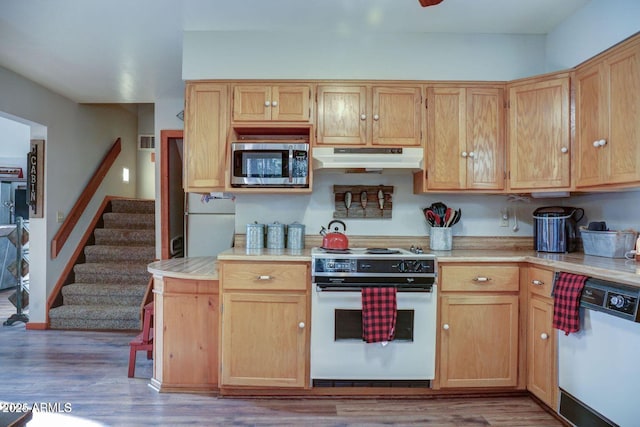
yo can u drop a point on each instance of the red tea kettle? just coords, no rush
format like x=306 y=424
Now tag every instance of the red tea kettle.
x=334 y=240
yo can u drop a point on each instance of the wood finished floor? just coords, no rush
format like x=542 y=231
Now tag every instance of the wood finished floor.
x=88 y=370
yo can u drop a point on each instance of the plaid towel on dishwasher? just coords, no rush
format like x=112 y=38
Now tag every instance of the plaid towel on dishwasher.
x=379 y=309
x=567 y=289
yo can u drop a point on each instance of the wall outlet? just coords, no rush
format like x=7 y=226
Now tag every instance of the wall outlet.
x=504 y=218
x=60 y=217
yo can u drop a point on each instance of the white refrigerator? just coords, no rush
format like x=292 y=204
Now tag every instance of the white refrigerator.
x=209 y=223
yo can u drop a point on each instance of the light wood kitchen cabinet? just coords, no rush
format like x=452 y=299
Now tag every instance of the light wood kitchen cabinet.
x=540 y=134
x=283 y=103
x=265 y=324
x=479 y=318
x=206 y=120
x=542 y=369
x=464 y=148
x=369 y=115
x=608 y=118
x=186 y=334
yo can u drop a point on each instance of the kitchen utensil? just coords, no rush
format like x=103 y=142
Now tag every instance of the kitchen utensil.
x=448 y=216
x=335 y=239
x=381 y=202
x=363 y=202
x=347 y=200
x=439 y=208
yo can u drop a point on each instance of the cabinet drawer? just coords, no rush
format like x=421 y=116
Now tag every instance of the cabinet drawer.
x=265 y=276
x=479 y=278
x=540 y=281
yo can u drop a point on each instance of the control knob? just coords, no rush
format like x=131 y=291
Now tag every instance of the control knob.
x=617 y=301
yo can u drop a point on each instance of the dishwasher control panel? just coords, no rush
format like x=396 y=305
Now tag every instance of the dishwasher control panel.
x=613 y=298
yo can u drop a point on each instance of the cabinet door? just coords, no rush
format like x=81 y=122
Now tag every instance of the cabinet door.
x=205 y=122
x=485 y=139
x=446 y=138
x=291 y=103
x=264 y=340
x=623 y=72
x=252 y=103
x=591 y=125
x=541 y=351
x=342 y=115
x=479 y=341
x=539 y=136
x=397 y=116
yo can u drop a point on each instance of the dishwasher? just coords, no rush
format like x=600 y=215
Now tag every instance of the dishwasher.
x=599 y=366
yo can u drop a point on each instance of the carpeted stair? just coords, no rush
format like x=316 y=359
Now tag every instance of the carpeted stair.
x=110 y=285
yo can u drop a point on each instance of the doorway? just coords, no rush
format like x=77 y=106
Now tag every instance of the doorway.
x=171 y=194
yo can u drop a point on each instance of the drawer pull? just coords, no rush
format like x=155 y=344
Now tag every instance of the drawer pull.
x=265 y=277
x=481 y=279
x=537 y=282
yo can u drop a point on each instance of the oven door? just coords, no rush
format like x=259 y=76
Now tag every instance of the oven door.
x=338 y=351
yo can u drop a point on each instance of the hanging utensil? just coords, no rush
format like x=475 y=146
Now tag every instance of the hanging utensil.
x=363 y=202
x=381 y=201
x=347 y=200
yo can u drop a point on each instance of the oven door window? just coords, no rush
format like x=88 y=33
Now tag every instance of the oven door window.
x=261 y=164
x=348 y=325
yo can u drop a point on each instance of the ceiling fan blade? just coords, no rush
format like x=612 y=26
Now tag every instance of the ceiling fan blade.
x=425 y=3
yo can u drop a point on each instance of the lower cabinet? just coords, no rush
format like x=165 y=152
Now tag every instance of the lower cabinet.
x=479 y=312
x=186 y=335
x=541 y=338
x=265 y=318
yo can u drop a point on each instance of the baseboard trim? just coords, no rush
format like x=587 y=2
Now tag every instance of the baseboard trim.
x=37 y=326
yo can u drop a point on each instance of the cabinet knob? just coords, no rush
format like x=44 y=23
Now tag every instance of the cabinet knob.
x=599 y=143
x=472 y=154
x=464 y=154
x=537 y=282
x=264 y=277
x=445 y=326
x=544 y=336
x=267 y=104
x=274 y=104
x=301 y=325
x=376 y=117
x=564 y=150
x=363 y=117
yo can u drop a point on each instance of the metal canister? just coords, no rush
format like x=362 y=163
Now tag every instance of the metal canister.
x=275 y=236
x=295 y=236
x=255 y=236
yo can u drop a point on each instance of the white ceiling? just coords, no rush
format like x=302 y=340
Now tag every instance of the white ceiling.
x=130 y=51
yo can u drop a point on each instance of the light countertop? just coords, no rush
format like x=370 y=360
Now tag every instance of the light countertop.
x=613 y=269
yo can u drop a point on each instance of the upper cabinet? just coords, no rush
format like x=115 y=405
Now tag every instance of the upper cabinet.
x=369 y=115
x=539 y=134
x=283 y=103
x=206 y=119
x=608 y=118
x=464 y=146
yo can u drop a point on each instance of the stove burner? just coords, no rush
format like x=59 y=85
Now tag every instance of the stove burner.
x=381 y=251
x=335 y=251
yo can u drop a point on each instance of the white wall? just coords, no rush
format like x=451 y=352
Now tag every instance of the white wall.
x=145 y=169
x=269 y=55
x=77 y=138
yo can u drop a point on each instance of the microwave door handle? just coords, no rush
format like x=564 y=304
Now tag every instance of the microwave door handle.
x=291 y=163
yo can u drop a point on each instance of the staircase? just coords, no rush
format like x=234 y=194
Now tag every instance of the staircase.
x=109 y=286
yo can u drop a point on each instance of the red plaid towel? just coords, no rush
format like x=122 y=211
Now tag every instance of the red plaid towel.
x=378 y=314
x=567 y=290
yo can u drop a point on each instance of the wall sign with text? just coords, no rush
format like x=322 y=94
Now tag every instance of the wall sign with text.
x=35 y=179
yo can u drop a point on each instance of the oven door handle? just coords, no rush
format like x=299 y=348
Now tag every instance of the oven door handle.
x=329 y=288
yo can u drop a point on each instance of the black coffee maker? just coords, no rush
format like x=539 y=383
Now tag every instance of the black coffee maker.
x=554 y=228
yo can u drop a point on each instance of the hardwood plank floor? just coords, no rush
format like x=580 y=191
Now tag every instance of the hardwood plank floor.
x=87 y=371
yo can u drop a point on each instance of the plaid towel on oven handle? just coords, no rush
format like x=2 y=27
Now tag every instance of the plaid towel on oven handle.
x=567 y=289
x=379 y=311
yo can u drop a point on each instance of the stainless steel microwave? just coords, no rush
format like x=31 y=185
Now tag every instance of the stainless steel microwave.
x=266 y=164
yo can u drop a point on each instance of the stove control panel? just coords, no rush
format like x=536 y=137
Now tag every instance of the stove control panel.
x=356 y=266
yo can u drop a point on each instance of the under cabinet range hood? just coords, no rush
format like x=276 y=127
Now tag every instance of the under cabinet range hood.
x=368 y=158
